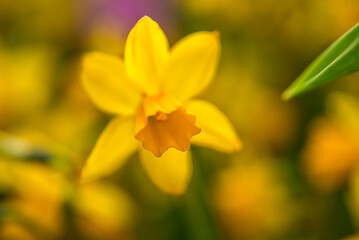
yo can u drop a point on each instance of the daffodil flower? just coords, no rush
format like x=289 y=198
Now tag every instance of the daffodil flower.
x=150 y=92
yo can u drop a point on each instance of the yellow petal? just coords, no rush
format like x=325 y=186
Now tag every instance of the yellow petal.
x=171 y=172
x=105 y=81
x=115 y=145
x=217 y=131
x=193 y=62
x=146 y=53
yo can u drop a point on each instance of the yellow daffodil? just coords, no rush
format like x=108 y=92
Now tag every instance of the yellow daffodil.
x=150 y=92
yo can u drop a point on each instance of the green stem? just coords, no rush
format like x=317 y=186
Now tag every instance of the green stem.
x=200 y=219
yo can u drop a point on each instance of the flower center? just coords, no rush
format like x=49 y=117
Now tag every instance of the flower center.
x=162 y=122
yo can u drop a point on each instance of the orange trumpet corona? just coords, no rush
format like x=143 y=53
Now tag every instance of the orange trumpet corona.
x=162 y=122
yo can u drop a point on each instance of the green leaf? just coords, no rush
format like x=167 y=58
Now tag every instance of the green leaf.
x=340 y=59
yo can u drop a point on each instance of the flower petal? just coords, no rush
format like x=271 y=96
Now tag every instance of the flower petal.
x=146 y=53
x=217 y=131
x=105 y=81
x=192 y=64
x=115 y=145
x=171 y=172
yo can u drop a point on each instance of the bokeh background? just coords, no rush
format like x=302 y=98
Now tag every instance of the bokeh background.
x=297 y=176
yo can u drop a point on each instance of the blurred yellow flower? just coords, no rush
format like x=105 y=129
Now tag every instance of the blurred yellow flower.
x=150 y=91
x=38 y=195
x=329 y=155
x=332 y=147
x=248 y=198
x=36 y=189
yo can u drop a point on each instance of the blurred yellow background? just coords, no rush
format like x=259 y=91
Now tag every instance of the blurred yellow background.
x=297 y=176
